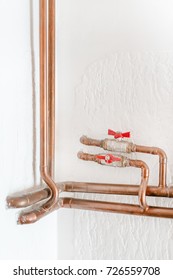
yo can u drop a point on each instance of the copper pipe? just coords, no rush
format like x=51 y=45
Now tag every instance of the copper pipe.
x=51 y=87
x=44 y=106
x=144 y=181
x=33 y=215
x=91 y=142
x=113 y=207
x=27 y=199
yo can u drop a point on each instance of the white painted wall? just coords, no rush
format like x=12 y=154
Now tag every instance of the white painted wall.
x=19 y=161
x=115 y=70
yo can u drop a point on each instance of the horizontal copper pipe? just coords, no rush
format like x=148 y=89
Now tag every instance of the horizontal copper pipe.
x=121 y=208
x=94 y=205
x=117 y=189
x=27 y=199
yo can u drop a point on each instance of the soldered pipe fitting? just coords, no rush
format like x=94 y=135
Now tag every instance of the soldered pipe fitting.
x=37 y=213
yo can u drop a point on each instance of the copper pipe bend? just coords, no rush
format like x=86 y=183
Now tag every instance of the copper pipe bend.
x=47 y=79
x=162 y=161
x=44 y=144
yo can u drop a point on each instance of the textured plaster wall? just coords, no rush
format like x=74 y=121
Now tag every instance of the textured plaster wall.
x=128 y=91
x=115 y=71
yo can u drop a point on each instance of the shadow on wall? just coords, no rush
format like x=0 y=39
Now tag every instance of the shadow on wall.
x=34 y=132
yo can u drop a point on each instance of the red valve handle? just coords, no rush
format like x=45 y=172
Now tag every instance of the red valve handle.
x=119 y=134
x=109 y=158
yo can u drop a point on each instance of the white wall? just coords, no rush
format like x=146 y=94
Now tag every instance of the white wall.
x=19 y=142
x=115 y=70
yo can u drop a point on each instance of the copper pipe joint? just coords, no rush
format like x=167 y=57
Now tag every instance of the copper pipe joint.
x=36 y=214
x=162 y=161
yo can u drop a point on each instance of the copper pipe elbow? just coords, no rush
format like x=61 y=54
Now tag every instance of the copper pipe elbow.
x=144 y=181
x=162 y=161
x=36 y=214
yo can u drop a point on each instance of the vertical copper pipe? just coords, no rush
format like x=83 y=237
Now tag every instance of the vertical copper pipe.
x=144 y=181
x=51 y=86
x=44 y=105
